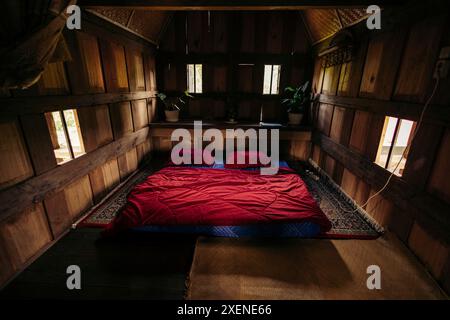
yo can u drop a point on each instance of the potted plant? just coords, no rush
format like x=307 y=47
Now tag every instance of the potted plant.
x=172 y=105
x=297 y=101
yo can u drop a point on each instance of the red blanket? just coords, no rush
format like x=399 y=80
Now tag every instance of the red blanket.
x=194 y=196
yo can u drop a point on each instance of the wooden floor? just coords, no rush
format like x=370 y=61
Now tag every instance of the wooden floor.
x=306 y=269
x=137 y=266
x=145 y=266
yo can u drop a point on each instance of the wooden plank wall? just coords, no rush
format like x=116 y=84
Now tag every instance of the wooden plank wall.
x=102 y=68
x=391 y=76
x=233 y=49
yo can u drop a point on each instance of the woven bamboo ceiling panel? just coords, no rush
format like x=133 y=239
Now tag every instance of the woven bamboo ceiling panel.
x=148 y=24
x=323 y=23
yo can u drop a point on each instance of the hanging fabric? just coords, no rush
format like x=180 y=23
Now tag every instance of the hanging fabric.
x=31 y=39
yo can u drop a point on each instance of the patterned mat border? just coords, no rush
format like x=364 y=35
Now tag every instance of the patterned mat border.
x=349 y=201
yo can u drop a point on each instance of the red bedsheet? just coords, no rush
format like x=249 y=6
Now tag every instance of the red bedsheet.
x=194 y=196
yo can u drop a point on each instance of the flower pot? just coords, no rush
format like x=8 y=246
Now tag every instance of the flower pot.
x=295 y=118
x=172 y=116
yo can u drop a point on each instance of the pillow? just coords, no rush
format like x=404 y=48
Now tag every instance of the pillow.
x=246 y=154
x=207 y=160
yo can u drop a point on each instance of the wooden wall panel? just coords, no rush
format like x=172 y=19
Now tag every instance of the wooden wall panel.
x=430 y=251
x=194 y=25
x=135 y=68
x=220 y=79
x=15 y=165
x=300 y=150
x=439 y=183
x=389 y=216
x=248 y=32
x=54 y=81
x=103 y=124
x=316 y=84
x=380 y=70
x=140 y=113
x=422 y=45
x=127 y=163
x=362 y=192
x=249 y=110
x=349 y=183
x=275 y=34
x=162 y=144
x=329 y=164
x=39 y=142
x=103 y=179
x=219 y=27
x=325 y=116
x=422 y=154
x=78 y=197
x=85 y=68
x=151 y=105
x=341 y=125
x=143 y=151
x=114 y=66
x=316 y=154
x=170 y=76
x=7 y=268
x=344 y=78
x=95 y=126
x=272 y=112
x=366 y=133
x=150 y=73
x=245 y=78
x=351 y=72
x=58 y=213
x=301 y=41
x=121 y=119
x=331 y=80
x=25 y=234
x=380 y=209
x=361 y=125
x=208 y=80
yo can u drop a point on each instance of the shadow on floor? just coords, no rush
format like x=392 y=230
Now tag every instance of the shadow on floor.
x=132 y=266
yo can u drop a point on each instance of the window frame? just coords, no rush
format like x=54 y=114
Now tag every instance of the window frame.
x=194 y=78
x=67 y=136
x=394 y=141
x=271 y=79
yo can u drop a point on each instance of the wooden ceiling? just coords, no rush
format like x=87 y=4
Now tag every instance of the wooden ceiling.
x=323 y=23
x=147 y=24
x=150 y=24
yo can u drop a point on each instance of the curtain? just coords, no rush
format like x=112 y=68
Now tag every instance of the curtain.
x=30 y=37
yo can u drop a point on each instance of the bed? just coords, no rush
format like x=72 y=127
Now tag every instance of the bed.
x=218 y=201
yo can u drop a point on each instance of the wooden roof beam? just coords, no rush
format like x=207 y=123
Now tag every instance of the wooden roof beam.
x=230 y=5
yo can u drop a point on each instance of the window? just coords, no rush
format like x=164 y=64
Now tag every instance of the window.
x=65 y=135
x=194 y=78
x=271 y=79
x=396 y=137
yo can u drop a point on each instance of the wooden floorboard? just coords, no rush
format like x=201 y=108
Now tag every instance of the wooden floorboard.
x=133 y=266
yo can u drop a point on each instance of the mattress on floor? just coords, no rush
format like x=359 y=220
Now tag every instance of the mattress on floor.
x=222 y=202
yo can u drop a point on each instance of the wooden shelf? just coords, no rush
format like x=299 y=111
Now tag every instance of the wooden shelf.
x=189 y=124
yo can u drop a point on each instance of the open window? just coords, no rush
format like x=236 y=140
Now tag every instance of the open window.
x=394 y=140
x=194 y=78
x=65 y=134
x=271 y=79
